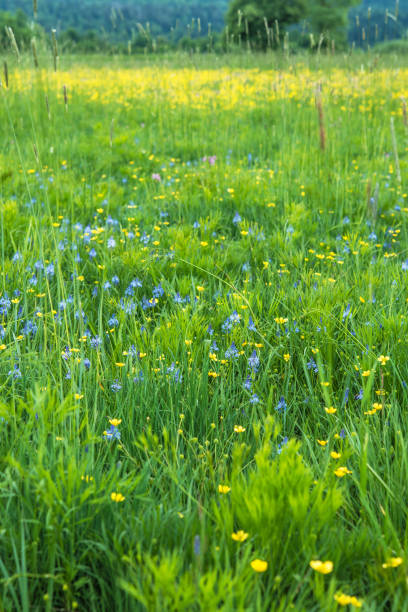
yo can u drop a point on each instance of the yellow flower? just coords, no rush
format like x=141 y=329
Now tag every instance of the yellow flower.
x=344 y=600
x=280 y=320
x=335 y=455
x=115 y=422
x=342 y=471
x=366 y=373
x=239 y=536
x=117 y=497
x=239 y=429
x=323 y=567
x=331 y=410
x=203 y=244
x=199 y=288
x=322 y=442
x=224 y=489
x=392 y=562
x=259 y=566
x=383 y=360
x=286 y=356
x=120 y=364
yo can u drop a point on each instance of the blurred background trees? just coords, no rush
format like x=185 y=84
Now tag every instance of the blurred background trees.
x=206 y=25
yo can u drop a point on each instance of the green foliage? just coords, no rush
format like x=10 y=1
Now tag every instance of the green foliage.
x=182 y=262
x=21 y=27
x=246 y=20
x=278 y=495
x=330 y=18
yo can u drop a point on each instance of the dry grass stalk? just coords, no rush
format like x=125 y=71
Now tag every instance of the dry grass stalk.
x=6 y=74
x=319 y=106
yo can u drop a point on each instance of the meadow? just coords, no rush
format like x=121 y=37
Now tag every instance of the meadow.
x=203 y=334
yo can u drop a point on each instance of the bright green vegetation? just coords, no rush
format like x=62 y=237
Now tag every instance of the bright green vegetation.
x=180 y=256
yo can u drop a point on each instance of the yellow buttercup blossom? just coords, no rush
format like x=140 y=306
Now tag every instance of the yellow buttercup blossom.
x=345 y=600
x=383 y=360
x=342 y=471
x=239 y=429
x=224 y=489
x=259 y=566
x=331 y=410
x=117 y=497
x=323 y=567
x=115 y=422
x=335 y=455
x=392 y=562
x=239 y=536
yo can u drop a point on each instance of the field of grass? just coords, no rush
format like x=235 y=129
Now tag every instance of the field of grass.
x=203 y=335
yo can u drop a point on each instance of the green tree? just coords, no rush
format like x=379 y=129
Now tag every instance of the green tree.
x=262 y=22
x=329 y=18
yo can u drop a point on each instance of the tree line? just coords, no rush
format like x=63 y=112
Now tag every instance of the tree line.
x=87 y=26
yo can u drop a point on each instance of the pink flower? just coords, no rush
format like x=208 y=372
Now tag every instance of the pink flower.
x=156 y=177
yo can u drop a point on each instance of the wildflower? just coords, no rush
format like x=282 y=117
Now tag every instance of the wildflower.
x=281 y=404
x=254 y=399
x=286 y=356
x=322 y=442
x=335 y=455
x=232 y=352
x=224 y=489
x=366 y=373
x=248 y=383
x=392 y=562
x=342 y=471
x=116 y=386
x=239 y=536
x=282 y=444
x=344 y=600
x=331 y=410
x=251 y=325
x=323 y=567
x=383 y=360
x=112 y=433
x=259 y=566
x=239 y=429
x=311 y=365
x=280 y=320
x=253 y=361
x=117 y=497
x=115 y=422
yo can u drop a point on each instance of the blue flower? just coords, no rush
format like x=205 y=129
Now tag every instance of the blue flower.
x=112 y=433
x=281 y=405
x=282 y=444
x=116 y=386
x=253 y=361
x=251 y=325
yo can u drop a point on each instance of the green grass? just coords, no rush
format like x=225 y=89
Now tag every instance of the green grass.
x=302 y=292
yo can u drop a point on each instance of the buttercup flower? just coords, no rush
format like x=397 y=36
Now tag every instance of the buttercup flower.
x=259 y=566
x=323 y=567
